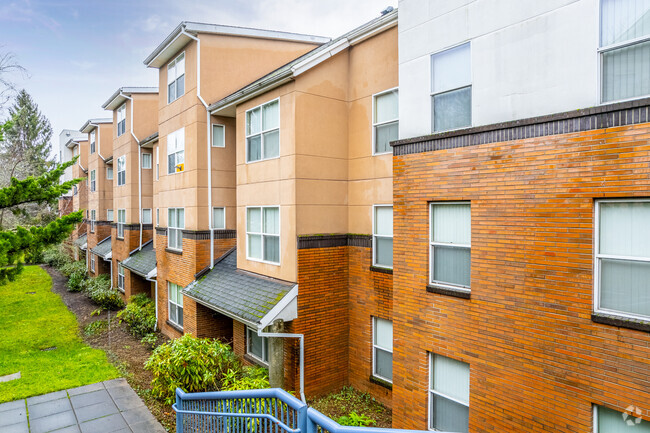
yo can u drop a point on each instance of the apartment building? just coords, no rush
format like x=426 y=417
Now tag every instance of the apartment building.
x=65 y=155
x=520 y=295
x=135 y=117
x=100 y=194
x=79 y=147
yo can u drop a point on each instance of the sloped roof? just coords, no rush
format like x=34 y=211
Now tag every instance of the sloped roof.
x=80 y=240
x=103 y=248
x=142 y=262
x=238 y=294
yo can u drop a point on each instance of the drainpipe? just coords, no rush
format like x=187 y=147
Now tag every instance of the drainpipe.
x=137 y=142
x=155 y=282
x=207 y=136
x=302 y=355
x=111 y=272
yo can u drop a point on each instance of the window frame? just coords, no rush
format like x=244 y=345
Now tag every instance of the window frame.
x=223 y=133
x=109 y=170
x=170 y=228
x=172 y=64
x=265 y=351
x=147 y=156
x=262 y=234
x=470 y=85
x=120 y=224
x=92 y=141
x=374 y=124
x=179 y=132
x=150 y=216
x=157 y=163
x=262 y=132
x=123 y=182
x=92 y=262
x=176 y=305
x=375 y=236
x=431 y=391
x=120 y=276
x=433 y=244
x=111 y=217
x=93 y=180
x=224 y=218
x=375 y=347
x=121 y=120
x=93 y=218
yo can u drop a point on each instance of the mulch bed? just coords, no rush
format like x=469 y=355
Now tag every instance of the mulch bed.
x=124 y=350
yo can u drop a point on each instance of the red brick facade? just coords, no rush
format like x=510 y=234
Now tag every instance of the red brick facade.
x=133 y=283
x=102 y=231
x=537 y=360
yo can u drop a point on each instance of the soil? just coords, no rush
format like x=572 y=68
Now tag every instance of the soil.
x=350 y=400
x=124 y=350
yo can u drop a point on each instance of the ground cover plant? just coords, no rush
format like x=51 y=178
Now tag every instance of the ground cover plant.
x=352 y=407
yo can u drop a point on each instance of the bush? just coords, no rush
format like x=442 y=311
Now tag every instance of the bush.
x=192 y=364
x=248 y=378
x=77 y=281
x=72 y=267
x=99 y=291
x=150 y=340
x=139 y=315
x=356 y=420
x=56 y=256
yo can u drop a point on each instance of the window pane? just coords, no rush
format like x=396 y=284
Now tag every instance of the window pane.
x=271 y=220
x=383 y=333
x=384 y=220
x=383 y=364
x=171 y=72
x=254 y=148
x=180 y=86
x=271 y=116
x=146 y=216
x=218 y=218
x=255 y=246
x=447 y=415
x=386 y=107
x=171 y=94
x=218 y=136
x=254 y=344
x=179 y=289
x=452 y=110
x=180 y=216
x=611 y=421
x=384 y=134
x=272 y=144
x=451 y=223
x=625 y=286
x=622 y=20
x=384 y=253
x=451 y=377
x=253 y=122
x=272 y=248
x=624 y=228
x=626 y=72
x=452 y=265
x=172 y=313
x=451 y=69
x=171 y=163
x=180 y=65
x=180 y=315
x=172 y=293
x=254 y=220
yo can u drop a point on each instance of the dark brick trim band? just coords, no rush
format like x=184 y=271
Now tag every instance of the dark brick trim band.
x=381 y=270
x=448 y=292
x=205 y=234
x=103 y=223
x=588 y=119
x=334 y=240
x=622 y=322
x=161 y=231
x=380 y=382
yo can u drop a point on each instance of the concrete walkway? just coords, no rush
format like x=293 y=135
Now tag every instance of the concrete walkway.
x=104 y=407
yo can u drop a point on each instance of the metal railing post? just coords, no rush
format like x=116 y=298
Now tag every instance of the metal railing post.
x=179 y=414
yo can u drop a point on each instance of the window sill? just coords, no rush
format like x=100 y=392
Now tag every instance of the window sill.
x=174 y=325
x=381 y=270
x=381 y=382
x=119 y=238
x=456 y=293
x=173 y=251
x=255 y=361
x=622 y=322
x=120 y=290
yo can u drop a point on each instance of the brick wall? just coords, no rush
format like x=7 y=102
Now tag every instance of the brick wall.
x=133 y=283
x=203 y=322
x=537 y=360
x=101 y=232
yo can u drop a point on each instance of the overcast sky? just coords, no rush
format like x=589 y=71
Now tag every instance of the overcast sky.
x=78 y=52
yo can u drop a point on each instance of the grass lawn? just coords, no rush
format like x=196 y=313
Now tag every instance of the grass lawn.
x=30 y=323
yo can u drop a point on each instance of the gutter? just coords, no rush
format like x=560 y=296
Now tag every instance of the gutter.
x=302 y=355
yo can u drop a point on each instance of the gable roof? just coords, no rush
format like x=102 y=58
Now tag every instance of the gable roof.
x=81 y=240
x=142 y=262
x=92 y=123
x=119 y=96
x=103 y=248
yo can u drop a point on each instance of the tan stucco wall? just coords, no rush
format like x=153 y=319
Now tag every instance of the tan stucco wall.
x=102 y=198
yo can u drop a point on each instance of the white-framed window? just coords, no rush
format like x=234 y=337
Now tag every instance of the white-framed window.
x=448 y=394
x=121 y=220
x=121 y=170
x=451 y=89
x=109 y=214
x=176 y=151
x=175 y=226
x=263 y=234
x=93 y=180
x=218 y=135
x=92 y=262
x=382 y=349
x=608 y=420
x=75 y=190
x=146 y=160
x=624 y=49
x=120 y=276
x=176 y=78
x=146 y=216
x=219 y=218
x=157 y=216
x=109 y=173
x=93 y=218
x=450 y=235
x=263 y=132
x=121 y=120
x=175 y=301
x=157 y=164
x=622 y=258
x=382 y=236
x=385 y=121
x=92 y=142
x=256 y=346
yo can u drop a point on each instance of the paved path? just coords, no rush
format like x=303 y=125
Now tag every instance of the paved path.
x=104 y=407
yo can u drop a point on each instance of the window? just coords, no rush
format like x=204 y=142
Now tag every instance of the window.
x=382 y=348
x=607 y=420
x=93 y=218
x=451 y=89
x=175 y=297
x=382 y=245
x=93 y=183
x=157 y=216
x=75 y=190
x=263 y=234
x=120 y=276
x=109 y=214
x=146 y=216
x=256 y=346
x=263 y=132
x=218 y=135
x=448 y=394
x=146 y=160
x=450 y=254
x=121 y=170
x=176 y=151
x=624 y=49
x=622 y=262
x=218 y=217
x=157 y=164
x=92 y=142
x=92 y=262
x=176 y=224
x=121 y=120
x=385 y=123
x=109 y=173
x=121 y=220
x=176 y=78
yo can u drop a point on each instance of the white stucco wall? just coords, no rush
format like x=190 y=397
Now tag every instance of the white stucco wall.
x=529 y=57
x=64 y=154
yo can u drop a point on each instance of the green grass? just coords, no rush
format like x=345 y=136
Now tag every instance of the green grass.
x=31 y=322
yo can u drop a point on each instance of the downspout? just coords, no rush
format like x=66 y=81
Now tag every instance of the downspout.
x=155 y=282
x=111 y=270
x=139 y=168
x=207 y=140
x=302 y=355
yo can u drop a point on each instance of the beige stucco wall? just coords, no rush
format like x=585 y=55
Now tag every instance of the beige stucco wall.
x=80 y=200
x=102 y=198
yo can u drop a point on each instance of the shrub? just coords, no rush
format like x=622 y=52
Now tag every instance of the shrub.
x=99 y=291
x=77 y=281
x=192 y=364
x=139 y=315
x=356 y=420
x=150 y=340
x=72 y=267
x=56 y=256
x=95 y=328
x=248 y=378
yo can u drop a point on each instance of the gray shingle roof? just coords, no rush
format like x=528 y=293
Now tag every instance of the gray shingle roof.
x=102 y=248
x=236 y=293
x=80 y=240
x=142 y=262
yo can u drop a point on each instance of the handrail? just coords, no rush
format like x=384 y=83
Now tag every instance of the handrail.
x=239 y=415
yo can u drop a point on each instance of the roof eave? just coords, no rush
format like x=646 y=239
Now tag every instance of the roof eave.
x=222 y=311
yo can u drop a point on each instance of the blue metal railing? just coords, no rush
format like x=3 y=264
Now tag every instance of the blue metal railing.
x=255 y=411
